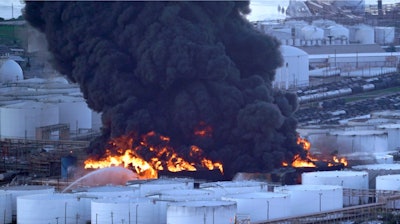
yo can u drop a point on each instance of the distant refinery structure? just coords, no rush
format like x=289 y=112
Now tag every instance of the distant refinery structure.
x=334 y=38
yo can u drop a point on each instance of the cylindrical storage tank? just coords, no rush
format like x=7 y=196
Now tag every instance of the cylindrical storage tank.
x=362 y=34
x=312 y=33
x=261 y=206
x=201 y=212
x=124 y=210
x=294 y=70
x=150 y=187
x=318 y=198
x=375 y=170
x=347 y=179
x=5 y=207
x=76 y=113
x=388 y=183
x=184 y=195
x=221 y=188
x=370 y=141
x=337 y=32
x=17 y=191
x=108 y=191
x=87 y=195
x=393 y=131
x=49 y=208
x=384 y=35
x=67 y=163
x=25 y=118
x=384 y=159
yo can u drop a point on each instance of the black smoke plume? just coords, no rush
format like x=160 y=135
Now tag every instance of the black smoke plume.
x=173 y=67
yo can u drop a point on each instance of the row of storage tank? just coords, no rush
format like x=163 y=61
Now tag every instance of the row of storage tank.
x=375 y=134
x=178 y=201
x=328 y=32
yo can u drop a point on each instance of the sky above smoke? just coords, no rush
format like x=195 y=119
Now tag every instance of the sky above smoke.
x=174 y=68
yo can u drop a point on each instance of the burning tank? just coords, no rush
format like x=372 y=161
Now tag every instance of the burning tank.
x=187 y=84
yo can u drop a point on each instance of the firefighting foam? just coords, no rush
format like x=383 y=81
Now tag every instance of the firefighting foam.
x=197 y=72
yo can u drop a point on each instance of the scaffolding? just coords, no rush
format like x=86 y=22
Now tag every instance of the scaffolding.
x=39 y=157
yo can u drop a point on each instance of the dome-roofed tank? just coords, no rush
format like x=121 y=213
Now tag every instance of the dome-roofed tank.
x=346 y=179
x=201 y=212
x=318 y=198
x=261 y=206
x=312 y=33
x=10 y=71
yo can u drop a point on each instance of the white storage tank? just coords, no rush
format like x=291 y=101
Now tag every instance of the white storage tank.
x=107 y=191
x=25 y=117
x=370 y=141
x=221 y=188
x=124 y=210
x=362 y=34
x=10 y=71
x=17 y=191
x=184 y=195
x=384 y=35
x=49 y=208
x=347 y=179
x=337 y=32
x=309 y=199
x=87 y=195
x=294 y=70
x=375 y=170
x=261 y=206
x=393 y=131
x=149 y=187
x=312 y=33
x=201 y=212
x=5 y=207
x=389 y=183
x=75 y=112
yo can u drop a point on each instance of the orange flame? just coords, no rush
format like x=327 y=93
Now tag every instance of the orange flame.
x=165 y=158
x=310 y=160
x=203 y=130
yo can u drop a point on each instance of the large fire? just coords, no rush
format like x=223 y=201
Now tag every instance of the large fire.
x=310 y=160
x=164 y=157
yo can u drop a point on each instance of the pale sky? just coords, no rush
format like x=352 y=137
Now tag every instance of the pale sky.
x=261 y=9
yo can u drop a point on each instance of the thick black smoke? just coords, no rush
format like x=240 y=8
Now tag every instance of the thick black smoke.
x=173 y=68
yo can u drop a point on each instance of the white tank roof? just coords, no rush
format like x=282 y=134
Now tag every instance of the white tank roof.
x=393 y=166
x=10 y=71
x=358 y=132
x=288 y=51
